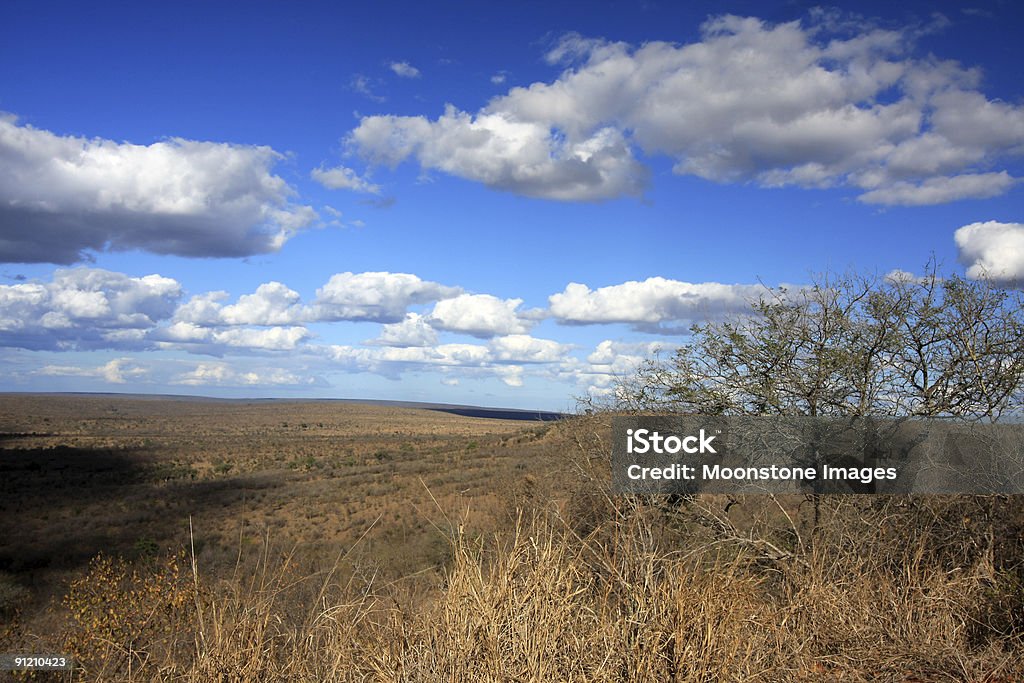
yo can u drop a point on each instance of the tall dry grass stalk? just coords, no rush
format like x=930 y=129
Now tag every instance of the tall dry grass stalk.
x=543 y=604
x=595 y=587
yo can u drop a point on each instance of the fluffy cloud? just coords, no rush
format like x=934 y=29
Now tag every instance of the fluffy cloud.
x=502 y=357
x=648 y=305
x=521 y=348
x=271 y=304
x=117 y=371
x=512 y=375
x=392 y=361
x=375 y=296
x=219 y=341
x=267 y=339
x=85 y=308
x=615 y=356
x=202 y=309
x=90 y=308
x=204 y=325
x=62 y=195
x=405 y=70
x=785 y=104
x=163 y=373
x=480 y=315
x=372 y=296
x=993 y=249
x=413 y=331
x=610 y=361
x=343 y=178
x=506 y=153
x=222 y=374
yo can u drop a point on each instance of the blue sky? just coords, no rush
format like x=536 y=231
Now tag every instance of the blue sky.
x=473 y=203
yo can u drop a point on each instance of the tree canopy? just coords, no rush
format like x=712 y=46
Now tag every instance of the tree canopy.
x=935 y=345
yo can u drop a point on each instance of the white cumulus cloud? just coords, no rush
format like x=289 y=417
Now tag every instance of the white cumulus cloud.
x=63 y=195
x=370 y=296
x=522 y=348
x=504 y=358
x=609 y=362
x=223 y=374
x=375 y=296
x=993 y=249
x=117 y=371
x=507 y=153
x=271 y=304
x=649 y=304
x=83 y=308
x=413 y=331
x=266 y=339
x=808 y=104
x=512 y=375
x=479 y=315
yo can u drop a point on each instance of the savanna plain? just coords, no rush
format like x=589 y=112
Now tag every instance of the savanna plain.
x=160 y=538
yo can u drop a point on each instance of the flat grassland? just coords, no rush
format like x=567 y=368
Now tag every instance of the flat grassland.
x=82 y=475
x=201 y=540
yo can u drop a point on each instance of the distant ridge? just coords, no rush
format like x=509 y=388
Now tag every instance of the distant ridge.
x=452 y=408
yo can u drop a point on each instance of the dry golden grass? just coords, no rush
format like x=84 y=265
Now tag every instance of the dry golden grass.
x=539 y=603
x=84 y=475
x=575 y=585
